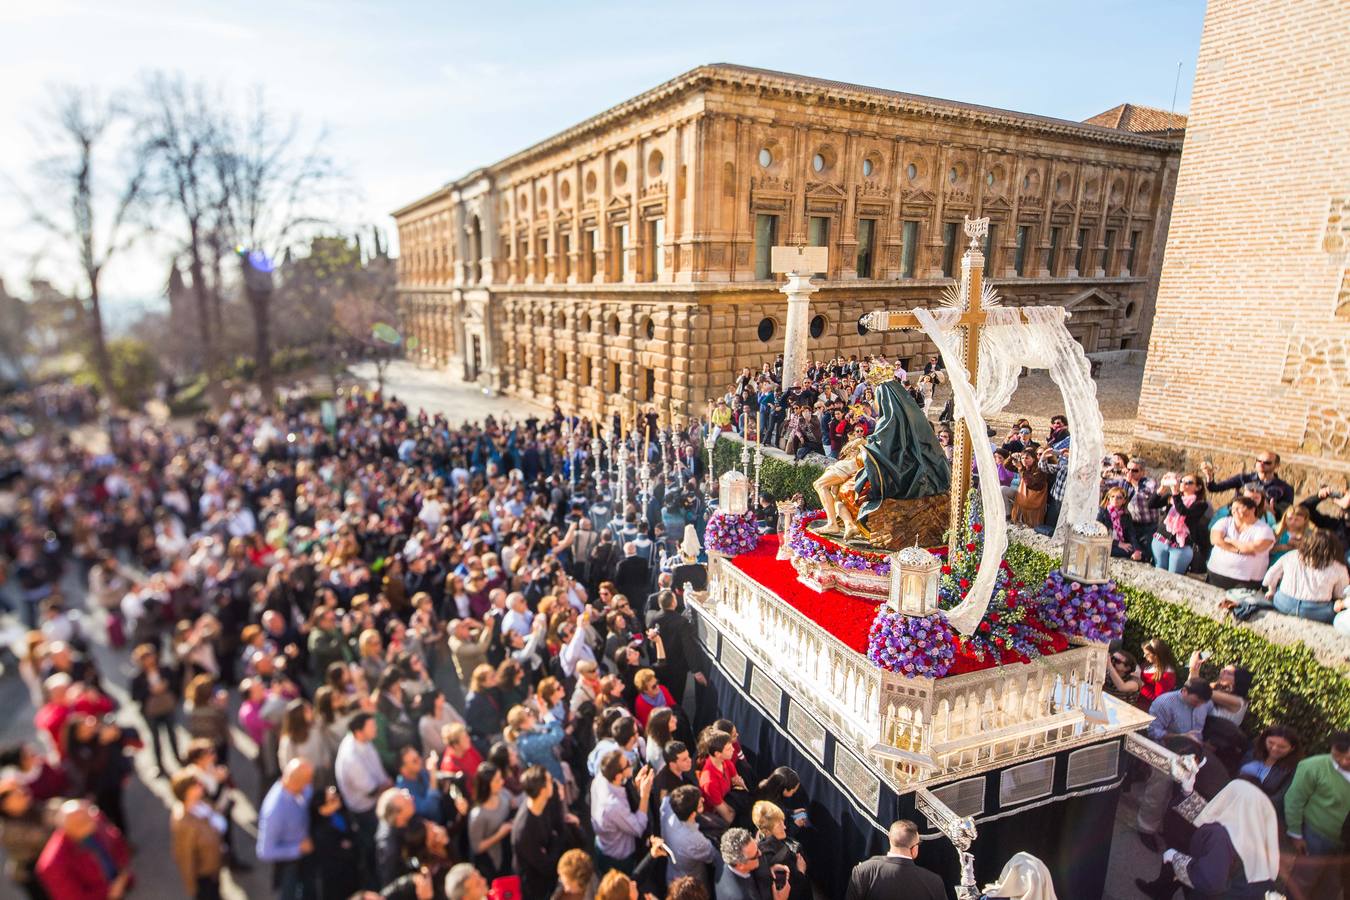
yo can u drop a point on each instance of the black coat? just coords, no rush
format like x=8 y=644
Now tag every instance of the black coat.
x=885 y=877
x=631 y=577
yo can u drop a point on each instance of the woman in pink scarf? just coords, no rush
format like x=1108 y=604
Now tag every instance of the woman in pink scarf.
x=1118 y=521
x=1187 y=513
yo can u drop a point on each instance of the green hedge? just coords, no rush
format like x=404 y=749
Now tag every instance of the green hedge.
x=777 y=478
x=1290 y=687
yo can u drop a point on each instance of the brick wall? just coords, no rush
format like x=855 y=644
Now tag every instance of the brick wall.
x=1251 y=339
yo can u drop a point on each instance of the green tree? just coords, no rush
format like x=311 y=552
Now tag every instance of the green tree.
x=134 y=371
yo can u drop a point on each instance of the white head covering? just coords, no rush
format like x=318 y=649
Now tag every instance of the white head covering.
x=1246 y=813
x=1024 y=878
x=689 y=547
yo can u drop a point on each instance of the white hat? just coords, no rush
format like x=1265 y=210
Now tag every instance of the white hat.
x=690 y=547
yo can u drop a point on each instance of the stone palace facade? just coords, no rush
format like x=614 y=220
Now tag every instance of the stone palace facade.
x=627 y=258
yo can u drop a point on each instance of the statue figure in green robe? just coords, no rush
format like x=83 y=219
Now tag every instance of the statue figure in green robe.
x=902 y=459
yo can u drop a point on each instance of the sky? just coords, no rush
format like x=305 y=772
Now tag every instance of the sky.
x=413 y=94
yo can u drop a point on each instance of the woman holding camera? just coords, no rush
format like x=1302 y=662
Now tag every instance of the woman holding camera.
x=1183 y=525
x=779 y=851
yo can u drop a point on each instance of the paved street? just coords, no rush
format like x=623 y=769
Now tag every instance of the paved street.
x=437 y=391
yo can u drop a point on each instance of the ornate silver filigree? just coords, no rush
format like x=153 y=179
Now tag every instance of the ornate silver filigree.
x=960 y=831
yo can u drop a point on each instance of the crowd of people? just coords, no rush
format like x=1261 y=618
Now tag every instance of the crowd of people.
x=458 y=664
x=458 y=660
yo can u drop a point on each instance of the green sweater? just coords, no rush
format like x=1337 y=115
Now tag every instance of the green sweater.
x=1318 y=799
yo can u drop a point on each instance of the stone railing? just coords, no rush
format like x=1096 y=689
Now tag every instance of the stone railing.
x=843 y=686
x=915 y=729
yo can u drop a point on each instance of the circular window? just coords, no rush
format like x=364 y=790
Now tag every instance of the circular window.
x=564 y=190
x=818 y=324
x=649 y=328
x=911 y=171
x=523 y=201
x=621 y=174
x=1129 y=310
x=862 y=324
x=614 y=324
x=1026 y=182
x=543 y=196
x=867 y=167
x=818 y=163
x=765 y=157
x=1062 y=184
x=989 y=179
x=590 y=182
x=655 y=163
x=953 y=175
x=767 y=327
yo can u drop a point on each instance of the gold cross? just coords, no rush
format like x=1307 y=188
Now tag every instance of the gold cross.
x=971 y=322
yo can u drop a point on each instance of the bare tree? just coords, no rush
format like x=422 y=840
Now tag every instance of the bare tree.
x=268 y=188
x=180 y=123
x=89 y=186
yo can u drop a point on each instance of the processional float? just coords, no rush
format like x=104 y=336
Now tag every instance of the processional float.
x=918 y=712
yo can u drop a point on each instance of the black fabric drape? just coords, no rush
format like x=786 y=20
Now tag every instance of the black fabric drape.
x=1072 y=835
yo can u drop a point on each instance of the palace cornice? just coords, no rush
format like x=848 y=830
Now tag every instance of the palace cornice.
x=811 y=92
x=818 y=91
x=441 y=193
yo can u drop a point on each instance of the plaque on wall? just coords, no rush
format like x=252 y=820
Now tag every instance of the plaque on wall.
x=734 y=662
x=855 y=776
x=804 y=727
x=706 y=634
x=766 y=693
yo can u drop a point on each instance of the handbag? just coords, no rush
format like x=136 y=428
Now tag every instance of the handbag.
x=157 y=706
x=506 y=888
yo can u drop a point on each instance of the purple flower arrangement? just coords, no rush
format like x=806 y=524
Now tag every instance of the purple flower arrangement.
x=731 y=534
x=1092 y=611
x=805 y=546
x=912 y=646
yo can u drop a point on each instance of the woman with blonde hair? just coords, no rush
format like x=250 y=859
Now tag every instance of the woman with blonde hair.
x=651 y=695
x=1293 y=527
x=1114 y=514
x=536 y=743
x=483 y=707
x=371 y=659
x=776 y=849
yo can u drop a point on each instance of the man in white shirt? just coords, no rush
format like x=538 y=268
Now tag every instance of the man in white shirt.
x=361 y=779
x=432 y=514
x=518 y=617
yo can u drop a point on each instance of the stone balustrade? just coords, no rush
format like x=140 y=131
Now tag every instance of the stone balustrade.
x=916 y=729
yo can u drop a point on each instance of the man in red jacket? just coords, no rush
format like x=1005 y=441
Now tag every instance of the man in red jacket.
x=86 y=857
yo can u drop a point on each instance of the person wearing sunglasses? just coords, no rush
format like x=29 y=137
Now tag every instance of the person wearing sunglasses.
x=1278 y=492
x=1183 y=524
